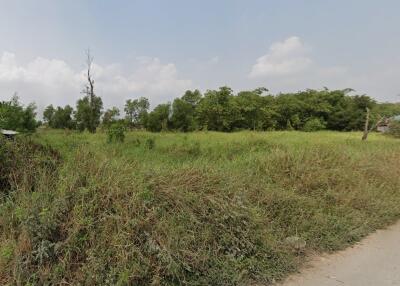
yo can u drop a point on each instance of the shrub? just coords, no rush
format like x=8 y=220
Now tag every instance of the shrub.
x=150 y=143
x=394 y=129
x=116 y=133
x=314 y=124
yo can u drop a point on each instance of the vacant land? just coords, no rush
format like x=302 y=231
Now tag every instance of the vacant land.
x=195 y=209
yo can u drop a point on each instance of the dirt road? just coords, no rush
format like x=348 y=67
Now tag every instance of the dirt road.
x=373 y=262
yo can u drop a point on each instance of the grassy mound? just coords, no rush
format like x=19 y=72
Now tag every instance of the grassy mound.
x=197 y=209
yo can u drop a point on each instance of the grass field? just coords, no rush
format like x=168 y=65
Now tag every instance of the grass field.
x=188 y=209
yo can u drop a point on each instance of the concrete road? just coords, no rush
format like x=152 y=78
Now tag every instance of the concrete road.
x=373 y=262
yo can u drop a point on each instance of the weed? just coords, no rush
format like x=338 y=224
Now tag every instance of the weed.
x=203 y=208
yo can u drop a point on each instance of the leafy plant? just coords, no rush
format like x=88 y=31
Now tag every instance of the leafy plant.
x=116 y=133
x=314 y=124
x=150 y=143
x=394 y=129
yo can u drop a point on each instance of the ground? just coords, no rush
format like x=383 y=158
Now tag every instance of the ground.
x=203 y=208
x=374 y=261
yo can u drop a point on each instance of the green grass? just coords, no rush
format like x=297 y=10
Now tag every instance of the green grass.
x=202 y=208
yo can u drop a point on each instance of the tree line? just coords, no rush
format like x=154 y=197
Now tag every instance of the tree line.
x=217 y=110
x=223 y=110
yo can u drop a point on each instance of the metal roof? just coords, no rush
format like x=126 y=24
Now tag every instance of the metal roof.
x=8 y=132
x=397 y=117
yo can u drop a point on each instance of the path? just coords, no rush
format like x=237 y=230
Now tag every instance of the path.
x=373 y=262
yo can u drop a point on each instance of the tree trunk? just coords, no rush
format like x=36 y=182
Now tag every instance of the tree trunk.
x=366 y=129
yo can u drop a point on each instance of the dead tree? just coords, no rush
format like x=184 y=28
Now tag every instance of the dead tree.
x=368 y=129
x=89 y=91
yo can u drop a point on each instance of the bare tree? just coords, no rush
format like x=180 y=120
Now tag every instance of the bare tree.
x=89 y=108
x=89 y=88
x=368 y=129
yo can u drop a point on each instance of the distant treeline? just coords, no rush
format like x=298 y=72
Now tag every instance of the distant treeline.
x=218 y=110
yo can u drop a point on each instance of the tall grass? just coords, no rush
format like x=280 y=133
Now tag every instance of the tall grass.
x=194 y=209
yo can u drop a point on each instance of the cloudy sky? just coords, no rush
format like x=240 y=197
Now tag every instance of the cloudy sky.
x=160 y=48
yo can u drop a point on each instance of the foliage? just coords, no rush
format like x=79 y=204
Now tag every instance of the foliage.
x=116 y=133
x=150 y=143
x=88 y=113
x=88 y=108
x=314 y=124
x=184 y=111
x=62 y=118
x=159 y=118
x=204 y=208
x=217 y=110
x=223 y=110
x=14 y=116
x=48 y=114
x=110 y=116
x=394 y=128
x=136 y=112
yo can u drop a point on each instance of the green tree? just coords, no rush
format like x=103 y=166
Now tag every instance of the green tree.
x=14 y=116
x=314 y=124
x=62 y=118
x=110 y=116
x=88 y=113
x=251 y=105
x=192 y=97
x=217 y=110
x=159 y=118
x=88 y=109
x=48 y=114
x=137 y=111
x=184 y=111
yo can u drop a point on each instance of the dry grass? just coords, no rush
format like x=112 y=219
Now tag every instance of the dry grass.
x=195 y=209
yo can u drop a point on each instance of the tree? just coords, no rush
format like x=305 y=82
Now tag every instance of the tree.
x=314 y=124
x=48 y=114
x=62 y=118
x=158 y=119
x=217 y=110
x=192 y=97
x=110 y=116
x=251 y=105
x=87 y=115
x=136 y=111
x=14 y=116
x=88 y=109
x=184 y=111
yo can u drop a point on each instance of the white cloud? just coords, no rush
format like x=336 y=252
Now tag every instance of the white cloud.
x=52 y=81
x=42 y=71
x=283 y=58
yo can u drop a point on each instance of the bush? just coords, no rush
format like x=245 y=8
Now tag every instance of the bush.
x=116 y=133
x=394 y=129
x=314 y=124
x=150 y=143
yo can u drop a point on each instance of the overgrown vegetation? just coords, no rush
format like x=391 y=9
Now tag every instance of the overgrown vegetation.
x=194 y=209
x=116 y=133
x=394 y=129
x=15 y=116
x=222 y=110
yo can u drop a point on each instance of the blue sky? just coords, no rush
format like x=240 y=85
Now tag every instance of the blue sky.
x=158 y=49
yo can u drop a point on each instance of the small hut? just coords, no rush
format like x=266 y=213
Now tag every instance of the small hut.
x=9 y=134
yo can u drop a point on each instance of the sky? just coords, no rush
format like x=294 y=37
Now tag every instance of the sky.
x=160 y=48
